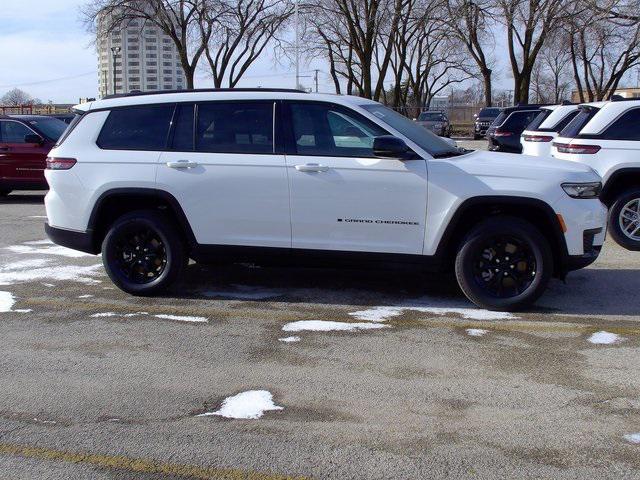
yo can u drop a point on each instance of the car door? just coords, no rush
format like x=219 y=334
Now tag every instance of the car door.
x=344 y=198
x=21 y=161
x=226 y=174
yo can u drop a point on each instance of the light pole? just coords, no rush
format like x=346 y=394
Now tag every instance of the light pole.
x=115 y=51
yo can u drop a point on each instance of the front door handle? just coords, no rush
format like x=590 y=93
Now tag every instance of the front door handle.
x=312 y=167
x=182 y=164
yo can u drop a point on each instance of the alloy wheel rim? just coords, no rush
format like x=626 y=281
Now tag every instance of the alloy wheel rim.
x=140 y=255
x=504 y=266
x=629 y=219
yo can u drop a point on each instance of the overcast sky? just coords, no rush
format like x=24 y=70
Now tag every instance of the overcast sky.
x=46 y=51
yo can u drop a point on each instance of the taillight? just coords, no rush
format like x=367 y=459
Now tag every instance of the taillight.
x=501 y=133
x=537 y=138
x=578 y=149
x=60 y=163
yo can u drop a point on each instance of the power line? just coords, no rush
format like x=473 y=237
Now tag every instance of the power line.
x=41 y=82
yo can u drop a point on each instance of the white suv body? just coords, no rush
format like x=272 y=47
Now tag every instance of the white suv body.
x=536 y=139
x=606 y=137
x=266 y=174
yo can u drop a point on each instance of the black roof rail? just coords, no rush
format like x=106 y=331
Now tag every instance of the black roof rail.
x=202 y=90
x=567 y=102
x=620 y=98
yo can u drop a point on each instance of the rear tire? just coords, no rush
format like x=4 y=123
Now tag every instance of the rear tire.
x=504 y=264
x=624 y=219
x=143 y=253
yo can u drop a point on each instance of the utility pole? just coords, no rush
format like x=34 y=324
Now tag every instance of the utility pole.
x=115 y=51
x=316 y=78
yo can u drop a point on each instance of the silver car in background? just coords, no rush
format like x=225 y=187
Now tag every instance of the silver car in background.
x=435 y=121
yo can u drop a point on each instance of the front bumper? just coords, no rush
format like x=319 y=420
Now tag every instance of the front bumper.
x=82 y=241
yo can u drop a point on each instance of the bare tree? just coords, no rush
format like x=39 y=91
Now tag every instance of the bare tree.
x=16 y=98
x=552 y=77
x=470 y=21
x=181 y=20
x=241 y=31
x=528 y=24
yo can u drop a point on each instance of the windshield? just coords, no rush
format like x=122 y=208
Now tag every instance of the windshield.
x=489 y=112
x=426 y=140
x=580 y=120
x=430 y=117
x=51 y=127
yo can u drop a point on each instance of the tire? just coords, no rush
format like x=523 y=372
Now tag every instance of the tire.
x=488 y=249
x=625 y=214
x=4 y=193
x=136 y=270
x=477 y=137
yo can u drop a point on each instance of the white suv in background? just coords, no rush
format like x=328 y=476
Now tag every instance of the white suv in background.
x=606 y=136
x=536 y=139
x=274 y=176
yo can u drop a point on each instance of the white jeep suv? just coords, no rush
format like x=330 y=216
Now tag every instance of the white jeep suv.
x=606 y=137
x=270 y=176
x=536 y=139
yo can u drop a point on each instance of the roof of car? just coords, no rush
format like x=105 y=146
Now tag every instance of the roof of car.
x=30 y=117
x=216 y=94
x=608 y=112
x=531 y=106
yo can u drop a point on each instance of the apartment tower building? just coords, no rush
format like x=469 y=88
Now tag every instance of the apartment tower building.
x=137 y=57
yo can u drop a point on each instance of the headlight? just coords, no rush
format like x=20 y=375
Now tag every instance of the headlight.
x=583 y=190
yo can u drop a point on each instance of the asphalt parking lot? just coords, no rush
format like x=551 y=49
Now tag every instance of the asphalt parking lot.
x=416 y=383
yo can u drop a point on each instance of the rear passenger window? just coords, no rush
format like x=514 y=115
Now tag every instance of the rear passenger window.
x=235 y=127
x=625 y=128
x=13 y=132
x=137 y=128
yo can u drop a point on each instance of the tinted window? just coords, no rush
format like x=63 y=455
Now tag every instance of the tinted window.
x=627 y=127
x=13 y=132
x=580 y=120
x=328 y=130
x=564 y=122
x=499 y=119
x=51 y=127
x=518 y=121
x=183 y=133
x=137 y=128
x=537 y=121
x=489 y=112
x=235 y=127
x=421 y=136
x=431 y=117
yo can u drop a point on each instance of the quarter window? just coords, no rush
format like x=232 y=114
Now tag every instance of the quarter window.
x=235 y=127
x=137 y=128
x=13 y=132
x=625 y=128
x=326 y=130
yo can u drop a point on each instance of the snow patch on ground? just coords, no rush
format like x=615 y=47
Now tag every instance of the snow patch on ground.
x=85 y=296
x=104 y=315
x=246 y=405
x=293 y=338
x=10 y=274
x=384 y=313
x=328 y=326
x=633 y=438
x=243 y=292
x=7 y=301
x=183 y=318
x=476 y=332
x=605 y=338
x=48 y=250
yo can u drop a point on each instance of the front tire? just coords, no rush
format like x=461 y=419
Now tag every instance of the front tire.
x=624 y=220
x=143 y=253
x=504 y=264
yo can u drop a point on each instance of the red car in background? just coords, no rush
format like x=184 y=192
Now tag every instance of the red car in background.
x=25 y=141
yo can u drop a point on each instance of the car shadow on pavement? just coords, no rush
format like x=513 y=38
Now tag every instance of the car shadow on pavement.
x=23 y=198
x=586 y=292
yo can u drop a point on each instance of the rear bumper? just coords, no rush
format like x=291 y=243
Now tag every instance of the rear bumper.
x=82 y=241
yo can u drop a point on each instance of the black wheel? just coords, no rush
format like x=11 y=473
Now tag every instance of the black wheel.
x=143 y=253
x=624 y=219
x=504 y=264
x=476 y=136
x=4 y=193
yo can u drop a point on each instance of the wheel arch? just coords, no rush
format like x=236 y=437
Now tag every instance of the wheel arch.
x=116 y=202
x=618 y=182
x=474 y=210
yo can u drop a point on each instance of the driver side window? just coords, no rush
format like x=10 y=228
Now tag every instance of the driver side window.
x=326 y=130
x=13 y=132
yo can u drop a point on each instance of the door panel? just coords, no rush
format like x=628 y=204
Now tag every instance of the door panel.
x=20 y=161
x=351 y=200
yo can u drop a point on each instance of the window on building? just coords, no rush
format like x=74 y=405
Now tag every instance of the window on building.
x=151 y=55
x=137 y=128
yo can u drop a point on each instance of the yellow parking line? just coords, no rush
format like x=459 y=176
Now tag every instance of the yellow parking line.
x=138 y=465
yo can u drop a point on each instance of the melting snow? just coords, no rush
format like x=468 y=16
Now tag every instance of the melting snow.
x=633 y=438
x=381 y=314
x=183 y=318
x=6 y=301
x=604 y=338
x=476 y=332
x=243 y=292
x=104 y=315
x=10 y=274
x=291 y=339
x=48 y=250
x=249 y=405
x=85 y=296
x=327 y=326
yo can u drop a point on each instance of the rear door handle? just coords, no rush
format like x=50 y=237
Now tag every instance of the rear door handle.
x=182 y=164
x=312 y=167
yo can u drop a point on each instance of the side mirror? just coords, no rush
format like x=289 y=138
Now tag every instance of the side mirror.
x=388 y=146
x=33 y=138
